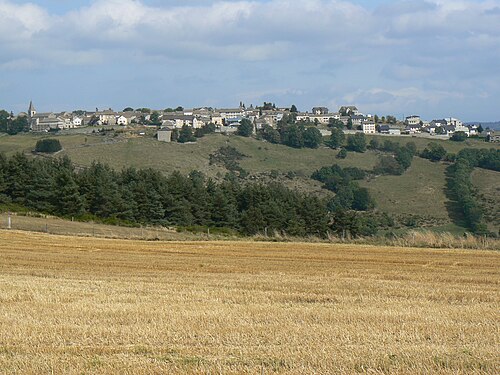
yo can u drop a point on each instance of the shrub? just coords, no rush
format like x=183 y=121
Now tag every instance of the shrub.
x=48 y=146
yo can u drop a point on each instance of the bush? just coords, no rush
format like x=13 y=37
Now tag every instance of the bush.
x=434 y=152
x=48 y=146
x=342 y=154
x=458 y=137
x=356 y=142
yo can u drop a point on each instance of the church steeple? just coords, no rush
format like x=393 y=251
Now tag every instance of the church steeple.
x=31 y=110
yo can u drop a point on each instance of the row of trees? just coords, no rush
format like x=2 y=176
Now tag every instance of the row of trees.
x=146 y=196
x=462 y=189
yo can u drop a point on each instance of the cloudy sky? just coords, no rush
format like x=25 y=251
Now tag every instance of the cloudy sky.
x=436 y=58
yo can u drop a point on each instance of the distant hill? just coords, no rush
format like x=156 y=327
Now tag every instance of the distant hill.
x=491 y=125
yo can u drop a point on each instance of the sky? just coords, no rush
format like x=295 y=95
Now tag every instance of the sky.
x=434 y=58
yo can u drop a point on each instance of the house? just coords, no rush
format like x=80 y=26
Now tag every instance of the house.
x=106 y=117
x=164 y=135
x=453 y=121
x=121 y=120
x=413 y=129
x=412 y=120
x=348 y=110
x=228 y=113
x=357 y=120
x=217 y=119
x=494 y=137
x=320 y=110
x=368 y=127
x=77 y=121
x=179 y=120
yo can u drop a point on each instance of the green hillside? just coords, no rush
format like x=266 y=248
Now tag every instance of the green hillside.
x=417 y=196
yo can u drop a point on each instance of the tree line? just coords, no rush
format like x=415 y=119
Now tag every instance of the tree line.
x=145 y=196
x=462 y=189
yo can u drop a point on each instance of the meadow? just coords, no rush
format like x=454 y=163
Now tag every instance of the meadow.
x=99 y=306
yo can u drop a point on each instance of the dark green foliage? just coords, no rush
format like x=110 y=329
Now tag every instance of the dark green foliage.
x=186 y=135
x=348 y=194
x=433 y=152
x=404 y=157
x=334 y=123
x=204 y=130
x=342 y=154
x=245 y=129
x=388 y=165
x=293 y=109
x=461 y=188
x=458 y=137
x=48 y=145
x=270 y=134
x=349 y=124
x=356 y=142
x=292 y=135
x=11 y=125
x=374 y=144
x=483 y=158
x=312 y=138
x=336 y=139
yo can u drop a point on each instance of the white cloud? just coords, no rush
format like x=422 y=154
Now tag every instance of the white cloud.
x=420 y=51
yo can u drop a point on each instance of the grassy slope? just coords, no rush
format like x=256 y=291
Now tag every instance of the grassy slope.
x=419 y=191
x=90 y=306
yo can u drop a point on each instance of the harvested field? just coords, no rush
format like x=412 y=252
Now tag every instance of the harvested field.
x=81 y=305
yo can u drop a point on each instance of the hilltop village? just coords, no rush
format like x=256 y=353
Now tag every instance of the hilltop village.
x=229 y=120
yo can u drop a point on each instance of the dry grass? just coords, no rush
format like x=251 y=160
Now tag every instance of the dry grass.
x=426 y=238
x=80 y=305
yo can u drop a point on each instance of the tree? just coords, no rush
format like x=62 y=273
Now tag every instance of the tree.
x=246 y=128
x=342 y=154
x=362 y=200
x=48 y=146
x=312 y=138
x=459 y=136
x=335 y=123
x=391 y=120
x=404 y=157
x=374 y=144
x=388 y=165
x=128 y=109
x=480 y=128
x=186 y=135
x=155 y=118
x=270 y=134
x=434 y=152
x=336 y=139
x=356 y=142
x=349 y=124
x=376 y=119
x=293 y=109
x=17 y=125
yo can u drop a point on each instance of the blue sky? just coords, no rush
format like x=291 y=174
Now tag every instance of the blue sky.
x=436 y=58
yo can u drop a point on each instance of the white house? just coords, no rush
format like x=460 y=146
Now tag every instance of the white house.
x=121 y=120
x=77 y=121
x=413 y=120
x=368 y=127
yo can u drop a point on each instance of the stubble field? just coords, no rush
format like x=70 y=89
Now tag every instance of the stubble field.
x=81 y=305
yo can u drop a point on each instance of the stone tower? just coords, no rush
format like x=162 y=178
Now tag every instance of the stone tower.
x=31 y=110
